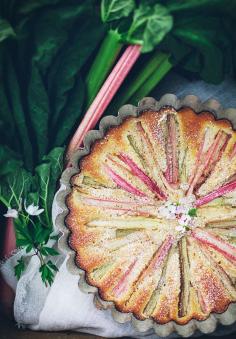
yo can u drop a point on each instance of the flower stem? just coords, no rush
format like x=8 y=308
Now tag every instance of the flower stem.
x=105 y=95
x=102 y=64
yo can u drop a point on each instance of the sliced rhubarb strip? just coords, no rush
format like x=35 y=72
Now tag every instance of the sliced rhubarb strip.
x=227 y=188
x=220 y=272
x=199 y=156
x=120 y=288
x=113 y=195
x=105 y=95
x=233 y=152
x=183 y=167
x=150 y=158
x=124 y=171
x=215 y=242
x=122 y=206
x=161 y=253
x=138 y=256
x=132 y=238
x=129 y=223
x=222 y=224
x=219 y=148
x=123 y=183
x=172 y=172
x=226 y=233
x=155 y=263
x=151 y=305
x=136 y=149
x=207 y=160
x=150 y=280
x=135 y=170
x=184 y=278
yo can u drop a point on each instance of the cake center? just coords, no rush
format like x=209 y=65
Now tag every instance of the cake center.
x=183 y=211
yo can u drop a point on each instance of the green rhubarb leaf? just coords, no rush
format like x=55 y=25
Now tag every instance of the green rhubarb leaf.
x=16 y=105
x=116 y=9
x=65 y=72
x=29 y=6
x=47 y=175
x=39 y=110
x=194 y=5
x=149 y=26
x=15 y=186
x=6 y=30
x=10 y=162
x=50 y=35
x=71 y=113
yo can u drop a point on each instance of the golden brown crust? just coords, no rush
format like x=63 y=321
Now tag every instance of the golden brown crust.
x=131 y=264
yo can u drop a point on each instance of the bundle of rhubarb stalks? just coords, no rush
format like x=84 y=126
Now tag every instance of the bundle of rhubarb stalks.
x=64 y=65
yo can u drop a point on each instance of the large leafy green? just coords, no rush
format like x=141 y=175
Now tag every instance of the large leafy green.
x=72 y=57
x=6 y=30
x=71 y=114
x=149 y=26
x=46 y=178
x=116 y=9
x=50 y=34
x=209 y=42
x=15 y=102
x=39 y=110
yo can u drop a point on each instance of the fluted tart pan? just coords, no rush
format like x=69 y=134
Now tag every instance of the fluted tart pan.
x=149 y=215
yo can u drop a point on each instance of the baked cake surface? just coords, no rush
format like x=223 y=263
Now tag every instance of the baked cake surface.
x=152 y=215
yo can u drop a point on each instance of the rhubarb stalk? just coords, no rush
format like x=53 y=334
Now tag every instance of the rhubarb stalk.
x=105 y=95
x=138 y=86
x=105 y=59
x=153 y=80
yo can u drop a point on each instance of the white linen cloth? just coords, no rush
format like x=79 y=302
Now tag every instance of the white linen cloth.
x=63 y=306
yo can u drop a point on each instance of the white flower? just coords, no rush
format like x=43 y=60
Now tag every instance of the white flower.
x=163 y=210
x=33 y=210
x=172 y=209
x=180 y=228
x=11 y=213
x=168 y=210
x=184 y=186
x=182 y=209
x=187 y=200
x=184 y=220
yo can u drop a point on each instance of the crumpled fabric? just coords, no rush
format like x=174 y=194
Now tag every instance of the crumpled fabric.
x=63 y=306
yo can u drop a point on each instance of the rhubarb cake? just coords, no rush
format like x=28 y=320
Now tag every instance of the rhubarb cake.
x=152 y=215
